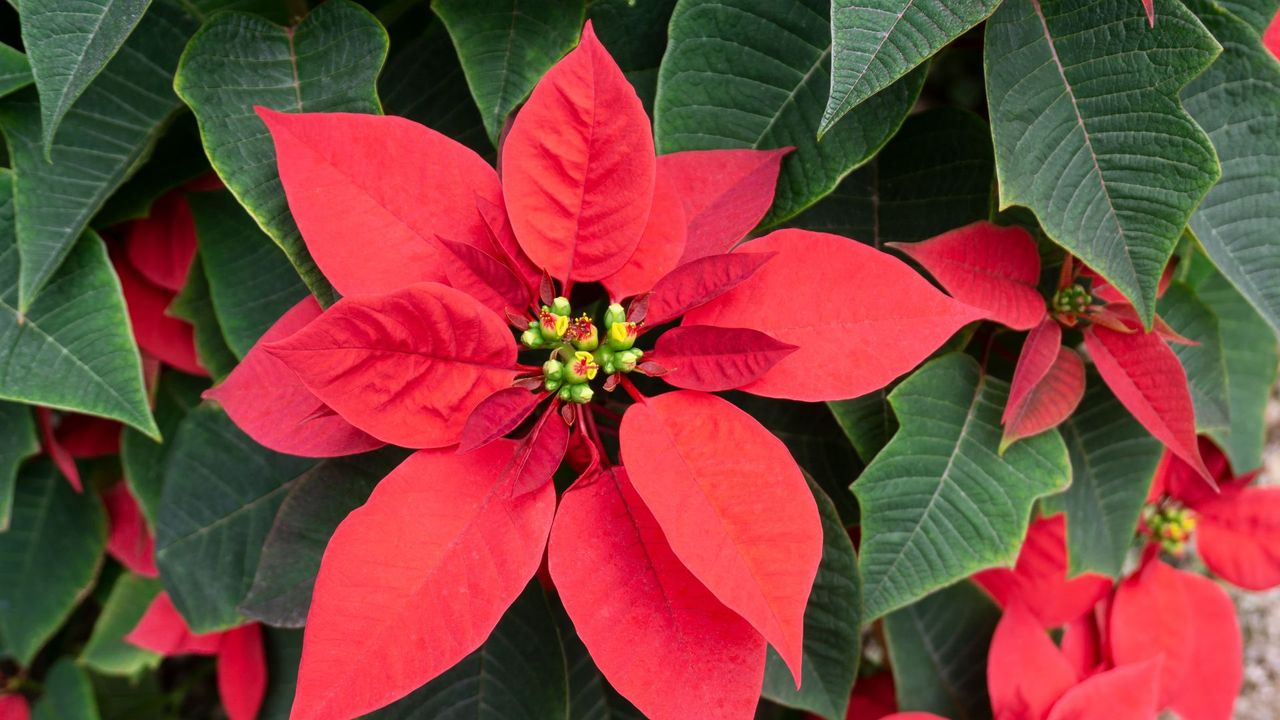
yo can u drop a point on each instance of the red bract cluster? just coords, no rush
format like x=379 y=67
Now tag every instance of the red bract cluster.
x=678 y=562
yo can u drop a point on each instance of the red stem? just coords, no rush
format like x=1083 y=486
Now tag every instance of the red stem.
x=632 y=390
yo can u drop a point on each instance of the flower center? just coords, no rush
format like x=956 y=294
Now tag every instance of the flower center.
x=1169 y=524
x=577 y=355
x=1074 y=299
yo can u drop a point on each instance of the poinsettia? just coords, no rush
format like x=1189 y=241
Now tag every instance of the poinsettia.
x=1236 y=530
x=68 y=437
x=242 y=663
x=676 y=564
x=997 y=269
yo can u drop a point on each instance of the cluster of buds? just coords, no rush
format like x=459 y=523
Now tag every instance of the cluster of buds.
x=619 y=353
x=1073 y=299
x=550 y=327
x=569 y=378
x=1170 y=525
x=579 y=351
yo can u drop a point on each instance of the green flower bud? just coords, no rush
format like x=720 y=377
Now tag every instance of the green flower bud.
x=552 y=326
x=582 y=368
x=566 y=394
x=552 y=370
x=581 y=393
x=551 y=385
x=623 y=335
x=614 y=314
x=560 y=306
x=583 y=334
x=531 y=338
x=625 y=361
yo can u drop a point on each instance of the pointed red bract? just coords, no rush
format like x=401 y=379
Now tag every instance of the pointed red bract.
x=1082 y=644
x=992 y=268
x=658 y=635
x=242 y=672
x=538 y=455
x=503 y=241
x=54 y=449
x=162 y=630
x=860 y=317
x=578 y=167
x=416 y=579
x=1039 y=578
x=660 y=247
x=1217 y=670
x=370 y=193
x=1152 y=617
x=1050 y=401
x=1271 y=37
x=1150 y=7
x=698 y=282
x=161 y=246
x=733 y=505
x=14 y=707
x=725 y=194
x=158 y=333
x=128 y=539
x=1238 y=537
x=1149 y=381
x=1026 y=672
x=497 y=415
x=408 y=366
x=708 y=358
x=484 y=278
x=1039 y=352
x=267 y=401
x=1124 y=692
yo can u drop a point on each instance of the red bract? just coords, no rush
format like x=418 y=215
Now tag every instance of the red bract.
x=675 y=571
x=129 y=540
x=1236 y=531
x=14 y=707
x=1048 y=384
x=242 y=662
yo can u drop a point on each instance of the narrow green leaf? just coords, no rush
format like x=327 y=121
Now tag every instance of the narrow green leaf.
x=48 y=558
x=938 y=502
x=15 y=72
x=1205 y=364
x=221 y=493
x=320 y=499
x=68 y=694
x=519 y=673
x=938 y=647
x=144 y=458
x=505 y=47
x=867 y=421
x=68 y=43
x=591 y=697
x=1252 y=360
x=875 y=42
x=105 y=137
x=636 y=35
x=18 y=441
x=832 y=628
x=1089 y=133
x=1237 y=101
x=328 y=63
x=194 y=305
x=708 y=97
x=251 y=282
x=73 y=349
x=107 y=652
x=1113 y=459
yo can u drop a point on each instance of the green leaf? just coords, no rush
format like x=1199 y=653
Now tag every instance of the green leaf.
x=1257 y=13
x=73 y=349
x=68 y=694
x=934 y=175
x=142 y=457
x=832 y=628
x=938 y=502
x=221 y=493
x=816 y=443
x=875 y=42
x=48 y=558
x=194 y=305
x=328 y=63
x=867 y=421
x=107 y=652
x=121 y=698
x=1237 y=101
x=591 y=697
x=68 y=44
x=15 y=72
x=105 y=137
x=1089 y=133
x=319 y=500
x=177 y=159
x=250 y=282
x=708 y=97
x=1205 y=364
x=505 y=47
x=1251 y=365
x=18 y=442
x=519 y=673
x=1113 y=459
x=636 y=35
x=938 y=648
x=284 y=655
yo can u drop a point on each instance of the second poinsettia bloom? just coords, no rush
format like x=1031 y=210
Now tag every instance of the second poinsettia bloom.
x=494 y=324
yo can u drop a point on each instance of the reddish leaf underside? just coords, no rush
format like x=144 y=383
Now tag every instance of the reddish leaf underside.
x=1152 y=617
x=370 y=193
x=697 y=282
x=659 y=636
x=989 y=267
x=578 y=167
x=660 y=247
x=1124 y=692
x=169 y=339
x=538 y=455
x=416 y=579
x=162 y=630
x=484 y=278
x=242 y=672
x=1039 y=581
x=1238 y=537
x=497 y=415
x=1217 y=655
x=1026 y=672
x=725 y=194
x=408 y=366
x=161 y=246
x=1050 y=401
x=1039 y=352
x=712 y=359
x=129 y=540
x=860 y=317
x=267 y=401
x=733 y=505
x=1149 y=381
x=503 y=243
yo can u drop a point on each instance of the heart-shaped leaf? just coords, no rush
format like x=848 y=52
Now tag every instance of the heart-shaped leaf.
x=708 y=358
